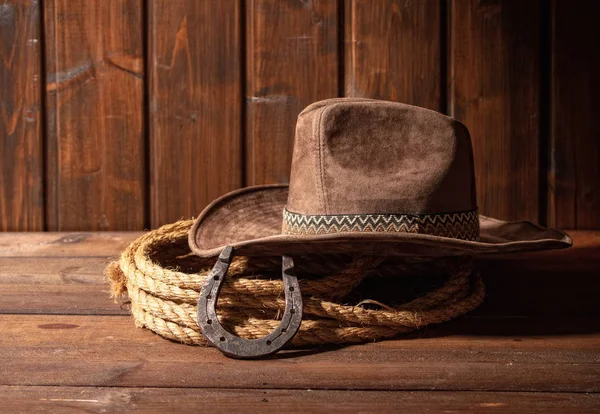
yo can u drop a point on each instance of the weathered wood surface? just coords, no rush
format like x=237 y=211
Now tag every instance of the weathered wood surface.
x=291 y=61
x=21 y=122
x=192 y=400
x=56 y=285
x=59 y=273
x=95 y=115
x=195 y=105
x=494 y=81
x=71 y=299
x=66 y=346
x=393 y=51
x=463 y=355
x=574 y=173
x=61 y=244
x=112 y=243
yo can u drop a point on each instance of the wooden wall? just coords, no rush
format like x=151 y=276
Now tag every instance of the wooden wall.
x=128 y=114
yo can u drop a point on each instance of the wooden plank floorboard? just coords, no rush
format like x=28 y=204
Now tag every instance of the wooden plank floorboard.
x=463 y=355
x=546 y=283
x=56 y=285
x=53 y=270
x=184 y=400
x=59 y=300
x=510 y=292
x=59 y=327
x=61 y=244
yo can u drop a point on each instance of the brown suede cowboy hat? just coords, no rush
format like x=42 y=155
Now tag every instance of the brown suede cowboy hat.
x=369 y=177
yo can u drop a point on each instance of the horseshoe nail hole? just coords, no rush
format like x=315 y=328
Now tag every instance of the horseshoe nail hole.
x=222 y=339
x=283 y=330
x=216 y=277
x=209 y=321
x=269 y=342
x=291 y=288
x=292 y=311
x=208 y=296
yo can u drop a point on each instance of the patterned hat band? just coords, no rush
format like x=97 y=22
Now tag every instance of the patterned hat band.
x=462 y=225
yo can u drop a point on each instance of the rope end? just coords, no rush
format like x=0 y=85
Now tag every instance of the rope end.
x=117 y=280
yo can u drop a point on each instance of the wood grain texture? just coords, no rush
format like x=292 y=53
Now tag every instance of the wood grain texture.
x=574 y=176
x=53 y=271
x=21 y=155
x=95 y=137
x=65 y=244
x=87 y=354
x=72 y=299
x=291 y=61
x=49 y=285
x=192 y=400
x=494 y=89
x=195 y=105
x=392 y=51
x=528 y=355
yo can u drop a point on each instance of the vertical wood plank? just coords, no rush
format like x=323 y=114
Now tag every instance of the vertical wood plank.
x=292 y=61
x=393 y=51
x=494 y=90
x=195 y=105
x=574 y=176
x=95 y=98
x=21 y=157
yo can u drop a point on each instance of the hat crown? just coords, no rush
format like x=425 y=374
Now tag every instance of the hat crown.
x=362 y=156
x=368 y=177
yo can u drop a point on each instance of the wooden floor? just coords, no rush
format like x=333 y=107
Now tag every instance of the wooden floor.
x=534 y=345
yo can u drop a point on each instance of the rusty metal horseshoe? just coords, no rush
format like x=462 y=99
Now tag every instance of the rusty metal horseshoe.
x=234 y=346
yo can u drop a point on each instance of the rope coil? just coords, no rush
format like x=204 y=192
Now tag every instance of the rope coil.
x=163 y=280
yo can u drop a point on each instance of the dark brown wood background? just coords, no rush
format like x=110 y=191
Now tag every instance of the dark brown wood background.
x=128 y=114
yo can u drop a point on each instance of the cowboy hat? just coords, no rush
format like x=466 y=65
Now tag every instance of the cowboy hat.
x=369 y=177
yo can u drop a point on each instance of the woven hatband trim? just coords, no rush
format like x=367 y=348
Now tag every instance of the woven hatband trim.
x=461 y=225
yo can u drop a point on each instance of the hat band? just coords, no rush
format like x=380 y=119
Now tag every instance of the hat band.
x=462 y=225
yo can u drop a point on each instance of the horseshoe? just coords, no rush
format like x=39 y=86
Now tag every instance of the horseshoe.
x=234 y=346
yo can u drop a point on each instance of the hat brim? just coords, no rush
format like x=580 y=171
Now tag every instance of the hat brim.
x=250 y=221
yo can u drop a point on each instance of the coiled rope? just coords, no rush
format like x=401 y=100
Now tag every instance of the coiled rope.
x=162 y=281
